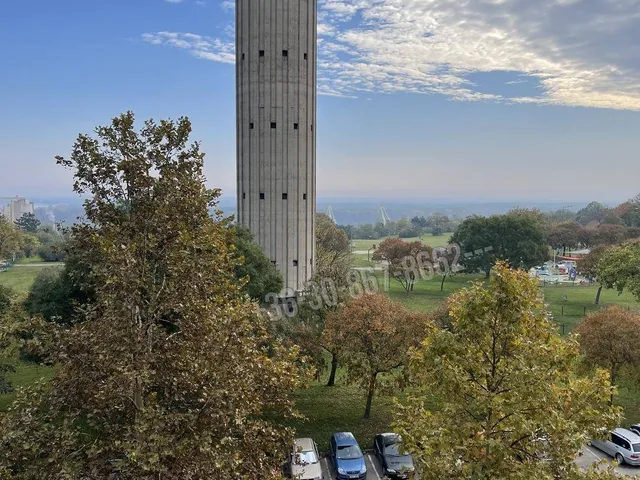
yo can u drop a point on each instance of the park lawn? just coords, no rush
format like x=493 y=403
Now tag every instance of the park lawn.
x=20 y=279
x=28 y=260
x=26 y=374
x=427 y=239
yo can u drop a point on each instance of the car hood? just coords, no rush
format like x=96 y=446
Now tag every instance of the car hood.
x=399 y=463
x=350 y=464
x=304 y=472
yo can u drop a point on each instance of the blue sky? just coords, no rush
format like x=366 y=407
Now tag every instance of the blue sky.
x=492 y=100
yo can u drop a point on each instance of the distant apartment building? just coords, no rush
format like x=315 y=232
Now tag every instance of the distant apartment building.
x=17 y=208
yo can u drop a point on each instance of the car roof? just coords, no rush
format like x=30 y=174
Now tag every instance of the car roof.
x=628 y=435
x=344 y=438
x=304 y=444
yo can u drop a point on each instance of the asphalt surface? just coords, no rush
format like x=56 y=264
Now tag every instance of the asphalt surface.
x=374 y=470
x=591 y=455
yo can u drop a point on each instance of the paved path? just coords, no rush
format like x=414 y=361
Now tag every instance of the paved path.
x=37 y=265
x=591 y=455
x=374 y=470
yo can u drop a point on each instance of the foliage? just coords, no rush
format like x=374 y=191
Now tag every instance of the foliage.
x=594 y=212
x=254 y=267
x=510 y=404
x=629 y=213
x=516 y=237
x=619 y=266
x=565 y=236
x=607 y=234
x=171 y=373
x=377 y=334
x=10 y=239
x=610 y=339
x=28 y=223
x=563 y=215
x=405 y=260
x=7 y=300
x=587 y=266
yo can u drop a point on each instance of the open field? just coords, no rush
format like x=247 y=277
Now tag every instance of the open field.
x=25 y=374
x=433 y=240
x=21 y=276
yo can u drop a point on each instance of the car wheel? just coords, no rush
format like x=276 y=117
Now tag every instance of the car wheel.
x=619 y=459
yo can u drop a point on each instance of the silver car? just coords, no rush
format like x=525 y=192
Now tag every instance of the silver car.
x=305 y=461
x=623 y=445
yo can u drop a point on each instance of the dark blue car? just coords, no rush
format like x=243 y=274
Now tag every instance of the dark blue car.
x=347 y=457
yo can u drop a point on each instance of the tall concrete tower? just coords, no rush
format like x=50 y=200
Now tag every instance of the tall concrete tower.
x=276 y=135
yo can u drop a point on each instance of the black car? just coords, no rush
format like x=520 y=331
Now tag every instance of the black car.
x=396 y=463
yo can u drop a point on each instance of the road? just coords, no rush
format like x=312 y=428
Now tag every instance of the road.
x=591 y=455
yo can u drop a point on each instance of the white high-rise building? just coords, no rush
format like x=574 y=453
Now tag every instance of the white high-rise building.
x=276 y=136
x=16 y=208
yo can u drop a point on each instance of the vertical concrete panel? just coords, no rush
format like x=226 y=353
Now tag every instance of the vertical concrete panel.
x=280 y=88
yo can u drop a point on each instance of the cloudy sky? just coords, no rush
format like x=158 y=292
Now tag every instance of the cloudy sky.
x=459 y=99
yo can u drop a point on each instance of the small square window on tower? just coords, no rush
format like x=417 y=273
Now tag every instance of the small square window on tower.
x=243 y=56
x=244 y=195
x=312 y=128
x=261 y=196
x=305 y=56
x=304 y=196
x=251 y=125
x=274 y=262
x=285 y=53
x=295 y=126
x=262 y=53
x=273 y=124
x=295 y=263
x=285 y=196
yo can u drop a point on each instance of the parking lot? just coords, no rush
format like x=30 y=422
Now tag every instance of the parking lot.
x=374 y=470
x=591 y=455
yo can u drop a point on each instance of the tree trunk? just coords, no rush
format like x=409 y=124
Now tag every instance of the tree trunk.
x=334 y=368
x=487 y=274
x=372 y=389
x=442 y=283
x=598 y=295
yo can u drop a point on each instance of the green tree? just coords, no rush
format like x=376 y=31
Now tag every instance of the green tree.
x=10 y=239
x=6 y=301
x=504 y=391
x=28 y=223
x=565 y=236
x=618 y=268
x=609 y=339
x=594 y=212
x=438 y=223
x=254 y=267
x=377 y=334
x=588 y=267
x=405 y=261
x=172 y=372
x=516 y=237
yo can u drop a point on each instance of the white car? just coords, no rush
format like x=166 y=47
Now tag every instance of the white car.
x=305 y=461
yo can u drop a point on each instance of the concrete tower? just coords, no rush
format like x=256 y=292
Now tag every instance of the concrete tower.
x=276 y=139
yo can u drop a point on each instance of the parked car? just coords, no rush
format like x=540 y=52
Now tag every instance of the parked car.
x=304 y=462
x=347 y=457
x=635 y=428
x=396 y=463
x=622 y=444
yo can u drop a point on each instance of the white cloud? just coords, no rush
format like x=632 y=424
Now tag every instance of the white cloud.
x=579 y=52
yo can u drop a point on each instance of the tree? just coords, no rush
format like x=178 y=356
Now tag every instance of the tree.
x=516 y=237
x=445 y=261
x=609 y=339
x=504 y=388
x=377 y=334
x=405 y=260
x=618 y=268
x=607 y=234
x=594 y=212
x=587 y=266
x=172 y=372
x=6 y=301
x=254 y=267
x=10 y=239
x=563 y=215
x=28 y=223
x=438 y=223
x=565 y=235
x=629 y=213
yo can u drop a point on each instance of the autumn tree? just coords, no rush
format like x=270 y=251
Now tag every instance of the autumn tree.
x=10 y=239
x=253 y=267
x=607 y=234
x=504 y=392
x=171 y=372
x=404 y=260
x=28 y=223
x=609 y=339
x=565 y=235
x=619 y=268
x=377 y=334
x=587 y=266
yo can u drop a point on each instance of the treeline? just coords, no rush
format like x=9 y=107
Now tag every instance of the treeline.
x=434 y=224
x=27 y=237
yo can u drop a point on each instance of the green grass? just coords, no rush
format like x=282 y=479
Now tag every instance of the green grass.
x=25 y=374
x=433 y=240
x=26 y=261
x=20 y=279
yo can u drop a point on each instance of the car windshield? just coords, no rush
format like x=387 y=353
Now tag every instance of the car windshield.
x=348 y=451
x=394 y=450
x=636 y=447
x=306 y=458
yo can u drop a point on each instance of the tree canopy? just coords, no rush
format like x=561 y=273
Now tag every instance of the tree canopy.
x=28 y=223
x=406 y=262
x=171 y=373
x=506 y=401
x=619 y=268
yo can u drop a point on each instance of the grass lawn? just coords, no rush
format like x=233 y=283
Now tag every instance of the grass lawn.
x=25 y=374
x=20 y=279
x=433 y=240
x=26 y=261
